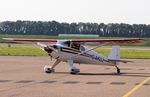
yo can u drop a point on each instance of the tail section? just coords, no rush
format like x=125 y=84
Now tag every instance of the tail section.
x=115 y=53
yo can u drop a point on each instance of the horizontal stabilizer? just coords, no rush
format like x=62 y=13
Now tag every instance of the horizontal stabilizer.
x=123 y=61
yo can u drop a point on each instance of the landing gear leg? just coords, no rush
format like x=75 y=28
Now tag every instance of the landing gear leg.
x=50 y=69
x=72 y=69
x=118 y=70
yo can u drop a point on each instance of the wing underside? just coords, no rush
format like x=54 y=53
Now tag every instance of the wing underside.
x=112 y=41
x=118 y=41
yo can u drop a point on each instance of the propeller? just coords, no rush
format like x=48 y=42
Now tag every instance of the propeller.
x=49 y=49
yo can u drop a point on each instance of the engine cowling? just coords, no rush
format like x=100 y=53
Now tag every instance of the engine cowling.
x=48 y=50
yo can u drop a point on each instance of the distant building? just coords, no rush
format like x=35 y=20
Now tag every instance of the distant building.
x=78 y=35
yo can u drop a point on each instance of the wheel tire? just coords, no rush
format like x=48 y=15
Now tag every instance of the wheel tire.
x=118 y=71
x=73 y=73
x=48 y=69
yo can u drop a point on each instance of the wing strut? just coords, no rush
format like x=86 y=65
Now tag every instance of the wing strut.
x=91 y=49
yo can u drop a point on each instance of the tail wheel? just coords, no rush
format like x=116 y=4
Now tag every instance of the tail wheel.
x=118 y=70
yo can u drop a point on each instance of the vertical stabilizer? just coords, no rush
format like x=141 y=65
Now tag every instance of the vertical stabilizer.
x=115 y=53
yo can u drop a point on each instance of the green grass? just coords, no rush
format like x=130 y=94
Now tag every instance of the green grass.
x=145 y=54
x=21 y=50
x=33 y=50
x=141 y=54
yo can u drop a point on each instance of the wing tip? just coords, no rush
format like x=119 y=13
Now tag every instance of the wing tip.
x=11 y=39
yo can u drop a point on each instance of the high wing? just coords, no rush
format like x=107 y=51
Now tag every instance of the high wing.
x=113 y=41
x=119 y=41
x=29 y=40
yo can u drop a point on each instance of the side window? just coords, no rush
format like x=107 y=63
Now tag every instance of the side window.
x=82 y=48
x=75 y=46
x=67 y=43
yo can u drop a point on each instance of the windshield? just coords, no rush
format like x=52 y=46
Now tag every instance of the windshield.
x=64 y=42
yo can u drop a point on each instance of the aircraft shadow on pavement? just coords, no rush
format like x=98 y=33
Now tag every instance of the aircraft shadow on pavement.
x=110 y=74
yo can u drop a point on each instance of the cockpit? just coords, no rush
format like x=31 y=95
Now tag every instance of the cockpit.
x=65 y=43
x=69 y=43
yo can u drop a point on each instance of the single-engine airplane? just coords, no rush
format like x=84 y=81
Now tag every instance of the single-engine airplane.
x=75 y=51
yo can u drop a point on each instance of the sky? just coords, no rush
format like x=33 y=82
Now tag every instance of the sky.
x=98 y=11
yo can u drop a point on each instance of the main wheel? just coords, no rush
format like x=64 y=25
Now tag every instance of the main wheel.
x=74 y=71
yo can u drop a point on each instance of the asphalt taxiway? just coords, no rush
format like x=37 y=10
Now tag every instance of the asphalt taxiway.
x=24 y=77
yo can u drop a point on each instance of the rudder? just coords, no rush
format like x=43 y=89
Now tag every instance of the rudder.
x=115 y=53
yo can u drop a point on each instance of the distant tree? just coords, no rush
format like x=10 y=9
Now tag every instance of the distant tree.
x=54 y=28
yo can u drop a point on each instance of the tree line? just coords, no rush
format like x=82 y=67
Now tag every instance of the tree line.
x=54 y=28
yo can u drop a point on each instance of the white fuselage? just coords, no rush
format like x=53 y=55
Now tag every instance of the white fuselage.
x=66 y=53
